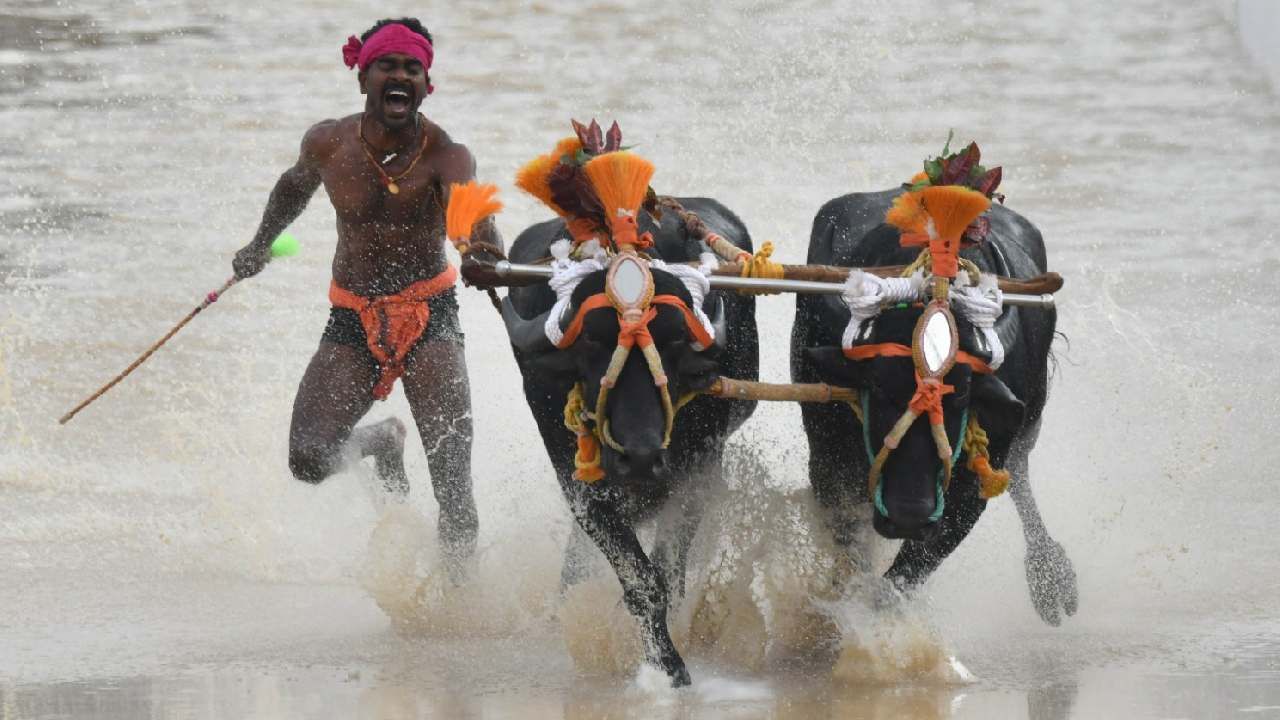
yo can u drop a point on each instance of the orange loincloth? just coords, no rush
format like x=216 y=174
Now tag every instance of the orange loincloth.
x=394 y=323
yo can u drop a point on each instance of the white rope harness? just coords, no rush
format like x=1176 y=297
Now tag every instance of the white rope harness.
x=698 y=282
x=982 y=306
x=566 y=273
x=865 y=293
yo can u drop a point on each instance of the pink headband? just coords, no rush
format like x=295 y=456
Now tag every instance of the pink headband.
x=393 y=38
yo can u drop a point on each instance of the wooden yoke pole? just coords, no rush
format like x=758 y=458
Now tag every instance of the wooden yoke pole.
x=779 y=392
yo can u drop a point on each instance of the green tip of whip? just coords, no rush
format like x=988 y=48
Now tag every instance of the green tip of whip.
x=284 y=246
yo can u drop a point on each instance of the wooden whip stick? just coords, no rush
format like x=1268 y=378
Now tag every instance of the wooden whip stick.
x=210 y=299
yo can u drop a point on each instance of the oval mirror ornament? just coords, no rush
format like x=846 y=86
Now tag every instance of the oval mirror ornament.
x=629 y=283
x=935 y=341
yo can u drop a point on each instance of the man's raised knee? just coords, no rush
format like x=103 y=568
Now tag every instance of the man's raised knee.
x=310 y=464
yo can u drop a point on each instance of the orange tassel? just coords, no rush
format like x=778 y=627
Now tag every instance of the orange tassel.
x=532 y=178
x=587 y=460
x=908 y=213
x=952 y=208
x=991 y=482
x=620 y=180
x=468 y=205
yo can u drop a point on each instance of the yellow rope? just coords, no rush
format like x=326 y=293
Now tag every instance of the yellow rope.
x=586 y=460
x=760 y=266
x=923 y=260
x=991 y=482
x=611 y=374
x=975 y=273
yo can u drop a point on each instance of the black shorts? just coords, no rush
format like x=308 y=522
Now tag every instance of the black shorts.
x=344 y=326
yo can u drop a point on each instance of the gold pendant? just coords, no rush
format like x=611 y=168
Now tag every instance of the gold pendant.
x=393 y=188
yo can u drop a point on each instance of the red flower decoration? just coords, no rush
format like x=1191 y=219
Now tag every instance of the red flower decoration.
x=351 y=51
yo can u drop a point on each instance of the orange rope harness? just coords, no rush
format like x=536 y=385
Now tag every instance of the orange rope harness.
x=600 y=300
x=393 y=324
x=630 y=334
x=866 y=352
x=928 y=399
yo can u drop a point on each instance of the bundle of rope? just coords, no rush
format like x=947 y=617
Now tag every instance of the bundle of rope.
x=991 y=482
x=586 y=460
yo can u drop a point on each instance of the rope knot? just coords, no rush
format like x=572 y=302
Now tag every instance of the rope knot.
x=760 y=266
x=928 y=398
x=631 y=333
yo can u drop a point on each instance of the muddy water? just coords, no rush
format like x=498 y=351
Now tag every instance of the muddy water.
x=157 y=560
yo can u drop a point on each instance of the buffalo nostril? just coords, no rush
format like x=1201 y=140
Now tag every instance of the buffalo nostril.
x=644 y=462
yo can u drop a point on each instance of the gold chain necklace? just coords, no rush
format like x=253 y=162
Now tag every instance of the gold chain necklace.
x=388 y=181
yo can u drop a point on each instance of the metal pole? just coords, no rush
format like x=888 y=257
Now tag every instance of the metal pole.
x=509 y=269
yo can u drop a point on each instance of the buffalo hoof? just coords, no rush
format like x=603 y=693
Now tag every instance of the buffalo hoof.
x=1052 y=581
x=888 y=595
x=678 y=673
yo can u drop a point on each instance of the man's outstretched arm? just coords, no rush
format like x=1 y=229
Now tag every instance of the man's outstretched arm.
x=287 y=201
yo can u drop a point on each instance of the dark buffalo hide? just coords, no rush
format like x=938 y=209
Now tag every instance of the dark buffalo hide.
x=850 y=231
x=642 y=480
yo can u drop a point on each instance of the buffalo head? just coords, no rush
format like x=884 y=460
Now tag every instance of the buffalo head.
x=633 y=423
x=909 y=494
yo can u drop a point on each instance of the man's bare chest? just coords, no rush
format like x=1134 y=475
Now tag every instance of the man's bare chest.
x=362 y=194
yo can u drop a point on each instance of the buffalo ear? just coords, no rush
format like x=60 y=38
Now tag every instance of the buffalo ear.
x=696 y=370
x=834 y=368
x=999 y=409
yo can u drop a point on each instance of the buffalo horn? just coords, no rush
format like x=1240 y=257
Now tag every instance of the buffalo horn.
x=528 y=336
x=719 y=325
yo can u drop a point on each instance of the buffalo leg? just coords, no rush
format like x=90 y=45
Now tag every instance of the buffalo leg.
x=577 y=558
x=678 y=525
x=1050 y=576
x=834 y=462
x=643 y=588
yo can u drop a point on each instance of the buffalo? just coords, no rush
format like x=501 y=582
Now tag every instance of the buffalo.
x=641 y=472
x=910 y=501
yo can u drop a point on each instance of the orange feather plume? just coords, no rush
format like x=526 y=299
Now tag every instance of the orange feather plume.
x=468 y=205
x=908 y=213
x=952 y=208
x=620 y=180
x=532 y=178
x=568 y=146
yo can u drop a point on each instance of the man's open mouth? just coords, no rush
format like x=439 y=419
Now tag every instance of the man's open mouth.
x=397 y=100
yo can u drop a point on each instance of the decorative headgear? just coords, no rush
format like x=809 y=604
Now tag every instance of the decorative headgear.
x=392 y=38
x=943 y=206
x=594 y=183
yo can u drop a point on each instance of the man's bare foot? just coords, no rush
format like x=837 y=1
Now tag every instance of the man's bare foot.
x=458 y=529
x=385 y=442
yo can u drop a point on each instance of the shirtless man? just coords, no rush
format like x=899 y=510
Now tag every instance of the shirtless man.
x=387 y=172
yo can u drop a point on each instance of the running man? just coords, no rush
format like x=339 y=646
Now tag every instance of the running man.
x=387 y=172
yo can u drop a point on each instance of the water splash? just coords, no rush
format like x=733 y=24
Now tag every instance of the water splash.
x=501 y=596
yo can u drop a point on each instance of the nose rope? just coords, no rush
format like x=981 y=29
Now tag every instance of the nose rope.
x=630 y=334
x=927 y=400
